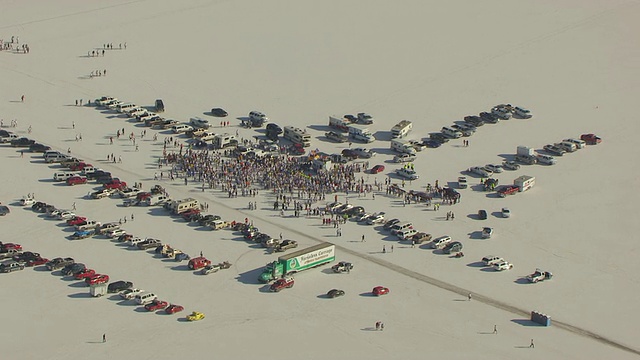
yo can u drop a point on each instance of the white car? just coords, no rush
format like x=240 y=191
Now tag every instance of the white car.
x=207 y=136
x=406 y=234
x=134 y=242
x=506 y=212
x=27 y=201
x=407 y=174
x=510 y=165
x=493 y=168
x=487 y=232
x=479 y=171
x=65 y=215
x=522 y=112
x=129 y=294
x=502 y=265
x=333 y=206
x=115 y=233
x=490 y=260
x=200 y=123
x=129 y=192
x=401 y=158
x=363 y=217
x=462 y=182
x=364 y=153
x=418 y=145
x=376 y=219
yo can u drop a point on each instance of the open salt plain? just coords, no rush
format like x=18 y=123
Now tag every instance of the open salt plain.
x=572 y=63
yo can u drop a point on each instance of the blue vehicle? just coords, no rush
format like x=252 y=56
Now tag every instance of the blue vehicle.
x=83 y=234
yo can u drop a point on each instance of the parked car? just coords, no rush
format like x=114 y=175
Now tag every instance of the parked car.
x=462 y=182
x=131 y=293
x=408 y=174
x=342 y=266
x=480 y=171
x=420 y=238
x=554 y=150
x=539 y=275
x=280 y=284
x=482 y=214
x=487 y=232
x=334 y=293
x=219 y=112
x=39 y=147
x=119 y=286
x=379 y=290
x=97 y=279
x=452 y=247
x=173 y=308
x=510 y=165
x=503 y=265
x=389 y=224
x=4 y=210
x=83 y=274
x=507 y=190
x=506 y=212
x=156 y=305
x=76 y=180
x=493 y=168
x=402 y=158
x=590 y=139
x=195 y=316
x=377 y=218
x=377 y=169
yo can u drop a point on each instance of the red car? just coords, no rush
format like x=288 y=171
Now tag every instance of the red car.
x=9 y=246
x=115 y=184
x=377 y=169
x=83 y=274
x=96 y=279
x=143 y=196
x=37 y=261
x=77 y=220
x=591 y=139
x=508 y=190
x=79 y=166
x=380 y=290
x=187 y=214
x=75 y=180
x=156 y=305
x=281 y=284
x=172 y=309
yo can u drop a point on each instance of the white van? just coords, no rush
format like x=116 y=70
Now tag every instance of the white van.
x=441 y=242
x=257 y=116
x=62 y=176
x=50 y=153
x=400 y=227
x=567 y=146
x=546 y=159
x=123 y=107
x=406 y=233
x=145 y=298
x=580 y=144
x=181 y=128
x=491 y=259
x=451 y=132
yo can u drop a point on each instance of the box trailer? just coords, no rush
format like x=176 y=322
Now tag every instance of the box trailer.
x=98 y=290
x=524 y=182
x=298 y=261
x=525 y=150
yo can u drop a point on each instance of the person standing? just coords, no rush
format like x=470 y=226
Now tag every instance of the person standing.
x=532 y=345
x=73 y=206
x=469 y=297
x=362 y=238
x=104 y=338
x=22 y=98
x=495 y=329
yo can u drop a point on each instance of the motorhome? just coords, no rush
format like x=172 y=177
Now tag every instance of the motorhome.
x=401 y=129
x=297 y=136
x=180 y=206
x=402 y=146
x=224 y=140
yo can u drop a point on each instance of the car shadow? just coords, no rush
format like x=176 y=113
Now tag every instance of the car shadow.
x=476 y=264
x=83 y=295
x=475 y=235
x=367 y=294
x=250 y=277
x=180 y=268
x=522 y=281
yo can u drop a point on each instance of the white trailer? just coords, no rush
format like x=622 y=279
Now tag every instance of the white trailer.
x=402 y=146
x=360 y=133
x=341 y=124
x=524 y=182
x=401 y=129
x=525 y=150
x=98 y=290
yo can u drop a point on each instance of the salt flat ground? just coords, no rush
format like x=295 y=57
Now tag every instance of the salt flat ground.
x=573 y=63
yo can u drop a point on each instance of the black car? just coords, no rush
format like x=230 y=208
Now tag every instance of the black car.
x=159 y=105
x=274 y=128
x=355 y=211
x=73 y=269
x=352 y=118
x=439 y=137
x=348 y=153
x=431 y=143
x=38 y=205
x=389 y=224
x=118 y=286
x=260 y=238
x=22 y=142
x=219 y=112
x=98 y=173
x=453 y=247
x=482 y=215
x=333 y=293
x=474 y=120
x=4 y=133
x=105 y=179
x=489 y=117
x=39 y=147
x=4 y=210
x=26 y=256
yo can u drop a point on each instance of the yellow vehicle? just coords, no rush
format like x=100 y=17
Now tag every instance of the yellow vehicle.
x=195 y=316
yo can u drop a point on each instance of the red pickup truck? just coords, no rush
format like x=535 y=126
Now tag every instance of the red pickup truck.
x=591 y=139
x=115 y=184
x=281 y=284
x=507 y=190
x=198 y=263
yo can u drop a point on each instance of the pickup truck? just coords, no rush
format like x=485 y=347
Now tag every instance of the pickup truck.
x=92 y=224
x=507 y=190
x=9 y=253
x=59 y=263
x=342 y=266
x=402 y=158
x=148 y=244
x=285 y=245
x=283 y=283
x=337 y=137
x=539 y=275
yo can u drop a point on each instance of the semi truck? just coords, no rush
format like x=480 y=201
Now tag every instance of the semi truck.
x=401 y=129
x=360 y=133
x=298 y=261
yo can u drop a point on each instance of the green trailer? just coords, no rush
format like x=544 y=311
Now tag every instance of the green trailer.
x=298 y=261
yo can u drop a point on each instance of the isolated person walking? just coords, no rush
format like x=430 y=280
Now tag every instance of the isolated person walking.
x=532 y=345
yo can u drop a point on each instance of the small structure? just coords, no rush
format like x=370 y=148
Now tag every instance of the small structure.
x=540 y=318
